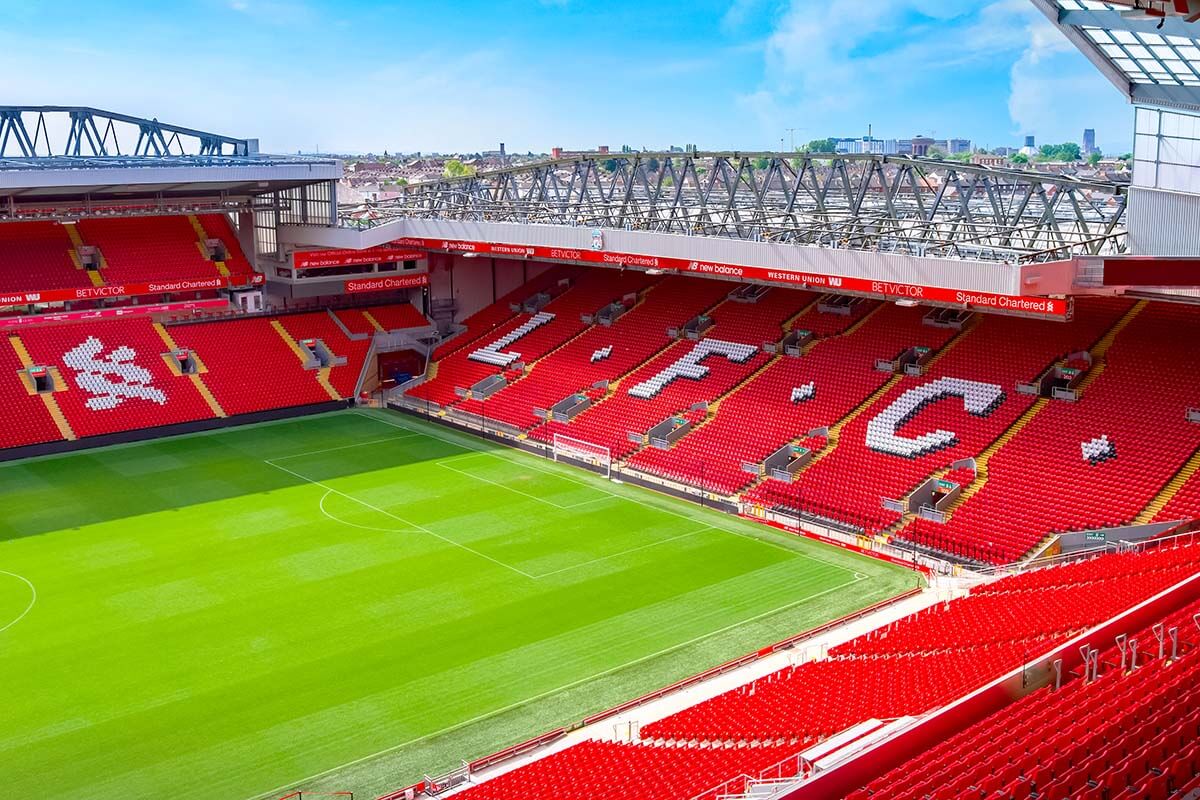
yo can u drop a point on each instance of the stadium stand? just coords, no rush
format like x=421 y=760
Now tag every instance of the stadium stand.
x=319 y=325
x=648 y=396
x=491 y=317
x=996 y=352
x=251 y=365
x=1044 y=481
x=604 y=353
x=37 y=255
x=218 y=226
x=115 y=375
x=1130 y=733
x=761 y=416
x=559 y=321
x=26 y=417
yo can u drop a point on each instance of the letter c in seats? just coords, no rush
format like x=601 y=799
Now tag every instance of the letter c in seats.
x=979 y=399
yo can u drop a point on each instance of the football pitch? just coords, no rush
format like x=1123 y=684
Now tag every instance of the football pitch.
x=348 y=601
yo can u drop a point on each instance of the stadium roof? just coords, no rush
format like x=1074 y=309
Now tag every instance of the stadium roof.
x=55 y=152
x=1148 y=49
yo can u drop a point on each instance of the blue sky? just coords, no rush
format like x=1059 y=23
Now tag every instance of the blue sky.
x=360 y=75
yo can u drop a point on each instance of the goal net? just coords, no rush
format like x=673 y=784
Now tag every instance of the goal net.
x=587 y=452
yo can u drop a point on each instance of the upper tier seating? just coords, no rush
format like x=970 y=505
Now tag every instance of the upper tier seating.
x=604 y=353
x=319 y=325
x=1125 y=735
x=997 y=354
x=589 y=292
x=218 y=226
x=761 y=417
x=37 y=255
x=116 y=377
x=145 y=249
x=24 y=419
x=1044 y=479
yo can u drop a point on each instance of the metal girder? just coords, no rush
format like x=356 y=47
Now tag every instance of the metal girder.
x=26 y=132
x=893 y=204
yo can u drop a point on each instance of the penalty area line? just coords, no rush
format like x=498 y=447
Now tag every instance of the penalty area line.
x=549 y=693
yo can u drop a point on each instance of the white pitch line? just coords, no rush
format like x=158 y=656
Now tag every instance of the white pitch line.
x=414 y=525
x=321 y=506
x=550 y=503
x=643 y=503
x=434 y=434
x=32 y=598
x=346 y=446
x=487 y=715
x=625 y=552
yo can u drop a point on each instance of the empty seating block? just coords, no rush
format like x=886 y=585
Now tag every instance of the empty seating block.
x=37 y=255
x=319 y=325
x=25 y=419
x=145 y=249
x=250 y=366
x=1125 y=735
x=935 y=419
x=464 y=367
x=218 y=226
x=839 y=373
x=632 y=340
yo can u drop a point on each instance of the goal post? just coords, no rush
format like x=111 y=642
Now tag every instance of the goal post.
x=579 y=450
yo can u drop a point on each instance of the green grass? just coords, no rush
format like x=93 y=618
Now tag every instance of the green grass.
x=223 y=614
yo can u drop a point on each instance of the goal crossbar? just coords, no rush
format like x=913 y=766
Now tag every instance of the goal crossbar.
x=581 y=450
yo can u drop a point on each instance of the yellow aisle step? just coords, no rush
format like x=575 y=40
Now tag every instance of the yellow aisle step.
x=196 y=378
x=322 y=373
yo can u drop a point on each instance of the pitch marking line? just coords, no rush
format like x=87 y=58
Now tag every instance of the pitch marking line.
x=520 y=703
x=32 y=598
x=400 y=519
x=626 y=552
x=346 y=447
x=551 y=503
x=767 y=542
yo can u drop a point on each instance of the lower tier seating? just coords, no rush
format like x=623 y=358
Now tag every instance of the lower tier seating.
x=118 y=375
x=916 y=665
x=250 y=366
x=592 y=770
x=319 y=325
x=1128 y=734
x=925 y=424
x=930 y=658
x=115 y=375
x=24 y=418
x=762 y=416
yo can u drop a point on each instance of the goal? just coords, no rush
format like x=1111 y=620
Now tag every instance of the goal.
x=587 y=452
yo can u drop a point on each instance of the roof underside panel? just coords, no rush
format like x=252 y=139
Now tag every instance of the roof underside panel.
x=1153 y=60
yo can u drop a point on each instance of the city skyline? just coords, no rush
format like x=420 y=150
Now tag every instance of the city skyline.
x=746 y=74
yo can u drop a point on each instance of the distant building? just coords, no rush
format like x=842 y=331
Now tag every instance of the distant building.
x=921 y=145
x=1089 y=141
x=988 y=160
